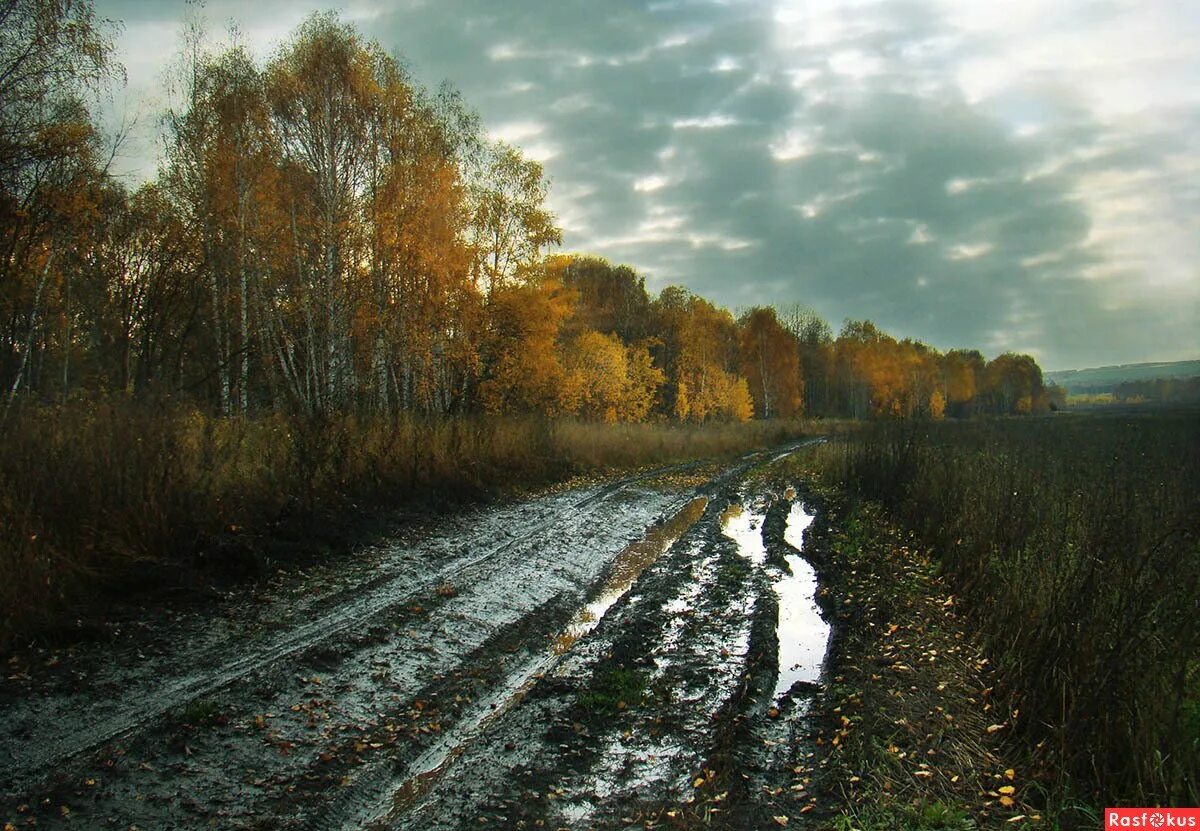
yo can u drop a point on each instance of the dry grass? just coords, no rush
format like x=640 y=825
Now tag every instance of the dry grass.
x=1074 y=545
x=113 y=495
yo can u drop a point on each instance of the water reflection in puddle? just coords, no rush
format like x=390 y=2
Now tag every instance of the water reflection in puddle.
x=626 y=568
x=803 y=634
x=745 y=528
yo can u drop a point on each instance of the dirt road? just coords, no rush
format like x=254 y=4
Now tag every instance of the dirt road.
x=573 y=660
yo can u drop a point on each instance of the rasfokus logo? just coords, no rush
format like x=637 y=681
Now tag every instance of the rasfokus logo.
x=1151 y=818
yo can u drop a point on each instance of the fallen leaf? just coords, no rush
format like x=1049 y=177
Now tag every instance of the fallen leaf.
x=1008 y=790
x=1007 y=801
x=780 y=820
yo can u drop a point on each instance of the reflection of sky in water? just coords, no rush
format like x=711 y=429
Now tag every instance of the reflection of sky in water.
x=803 y=635
x=745 y=528
x=626 y=568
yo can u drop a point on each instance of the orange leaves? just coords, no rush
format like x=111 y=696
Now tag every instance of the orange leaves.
x=525 y=373
x=769 y=360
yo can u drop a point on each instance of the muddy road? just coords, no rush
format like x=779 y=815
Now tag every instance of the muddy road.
x=573 y=660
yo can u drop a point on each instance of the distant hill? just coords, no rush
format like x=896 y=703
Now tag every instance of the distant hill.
x=1103 y=379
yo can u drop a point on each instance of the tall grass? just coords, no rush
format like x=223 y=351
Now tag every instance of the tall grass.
x=1075 y=544
x=105 y=496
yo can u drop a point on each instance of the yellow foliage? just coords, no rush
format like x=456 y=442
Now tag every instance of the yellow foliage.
x=608 y=381
x=937 y=405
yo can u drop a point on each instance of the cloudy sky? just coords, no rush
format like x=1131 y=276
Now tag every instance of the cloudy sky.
x=1006 y=175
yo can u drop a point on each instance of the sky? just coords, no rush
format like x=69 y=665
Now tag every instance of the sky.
x=1011 y=175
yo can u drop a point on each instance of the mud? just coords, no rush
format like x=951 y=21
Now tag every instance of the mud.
x=565 y=659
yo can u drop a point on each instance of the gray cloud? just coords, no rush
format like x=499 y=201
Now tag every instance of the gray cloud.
x=882 y=161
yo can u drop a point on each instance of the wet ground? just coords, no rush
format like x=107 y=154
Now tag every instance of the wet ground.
x=573 y=660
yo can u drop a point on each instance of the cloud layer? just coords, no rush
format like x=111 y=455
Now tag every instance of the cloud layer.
x=1011 y=176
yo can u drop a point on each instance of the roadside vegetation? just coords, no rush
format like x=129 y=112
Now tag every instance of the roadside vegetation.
x=1072 y=545
x=114 y=496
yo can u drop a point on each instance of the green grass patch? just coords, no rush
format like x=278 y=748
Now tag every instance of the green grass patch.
x=202 y=712
x=613 y=690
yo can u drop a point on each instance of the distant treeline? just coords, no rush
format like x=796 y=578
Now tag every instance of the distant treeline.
x=1159 y=391
x=326 y=236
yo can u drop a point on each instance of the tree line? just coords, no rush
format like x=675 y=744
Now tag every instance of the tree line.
x=325 y=235
x=1159 y=391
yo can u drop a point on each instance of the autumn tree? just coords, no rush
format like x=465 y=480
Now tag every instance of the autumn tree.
x=523 y=369
x=53 y=54
x=962 y=371
x=510 y=225
x=698 y=352
x=611 y=299
x=769 y=360
x=136 y=296
x=814 y=339
x=1013 y=385
x=325 y=235
x=609 y=381
x=885 y=378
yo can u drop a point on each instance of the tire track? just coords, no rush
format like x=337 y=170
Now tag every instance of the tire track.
x=41 y=755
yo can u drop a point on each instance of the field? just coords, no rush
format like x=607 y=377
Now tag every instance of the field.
x=1072 y=543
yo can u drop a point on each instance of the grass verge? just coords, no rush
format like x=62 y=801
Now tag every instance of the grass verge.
x=908 y=731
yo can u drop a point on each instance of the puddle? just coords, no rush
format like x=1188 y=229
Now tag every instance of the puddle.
x=626 y=568
x=803 y=634
x=797 y=523
x=745 y=528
